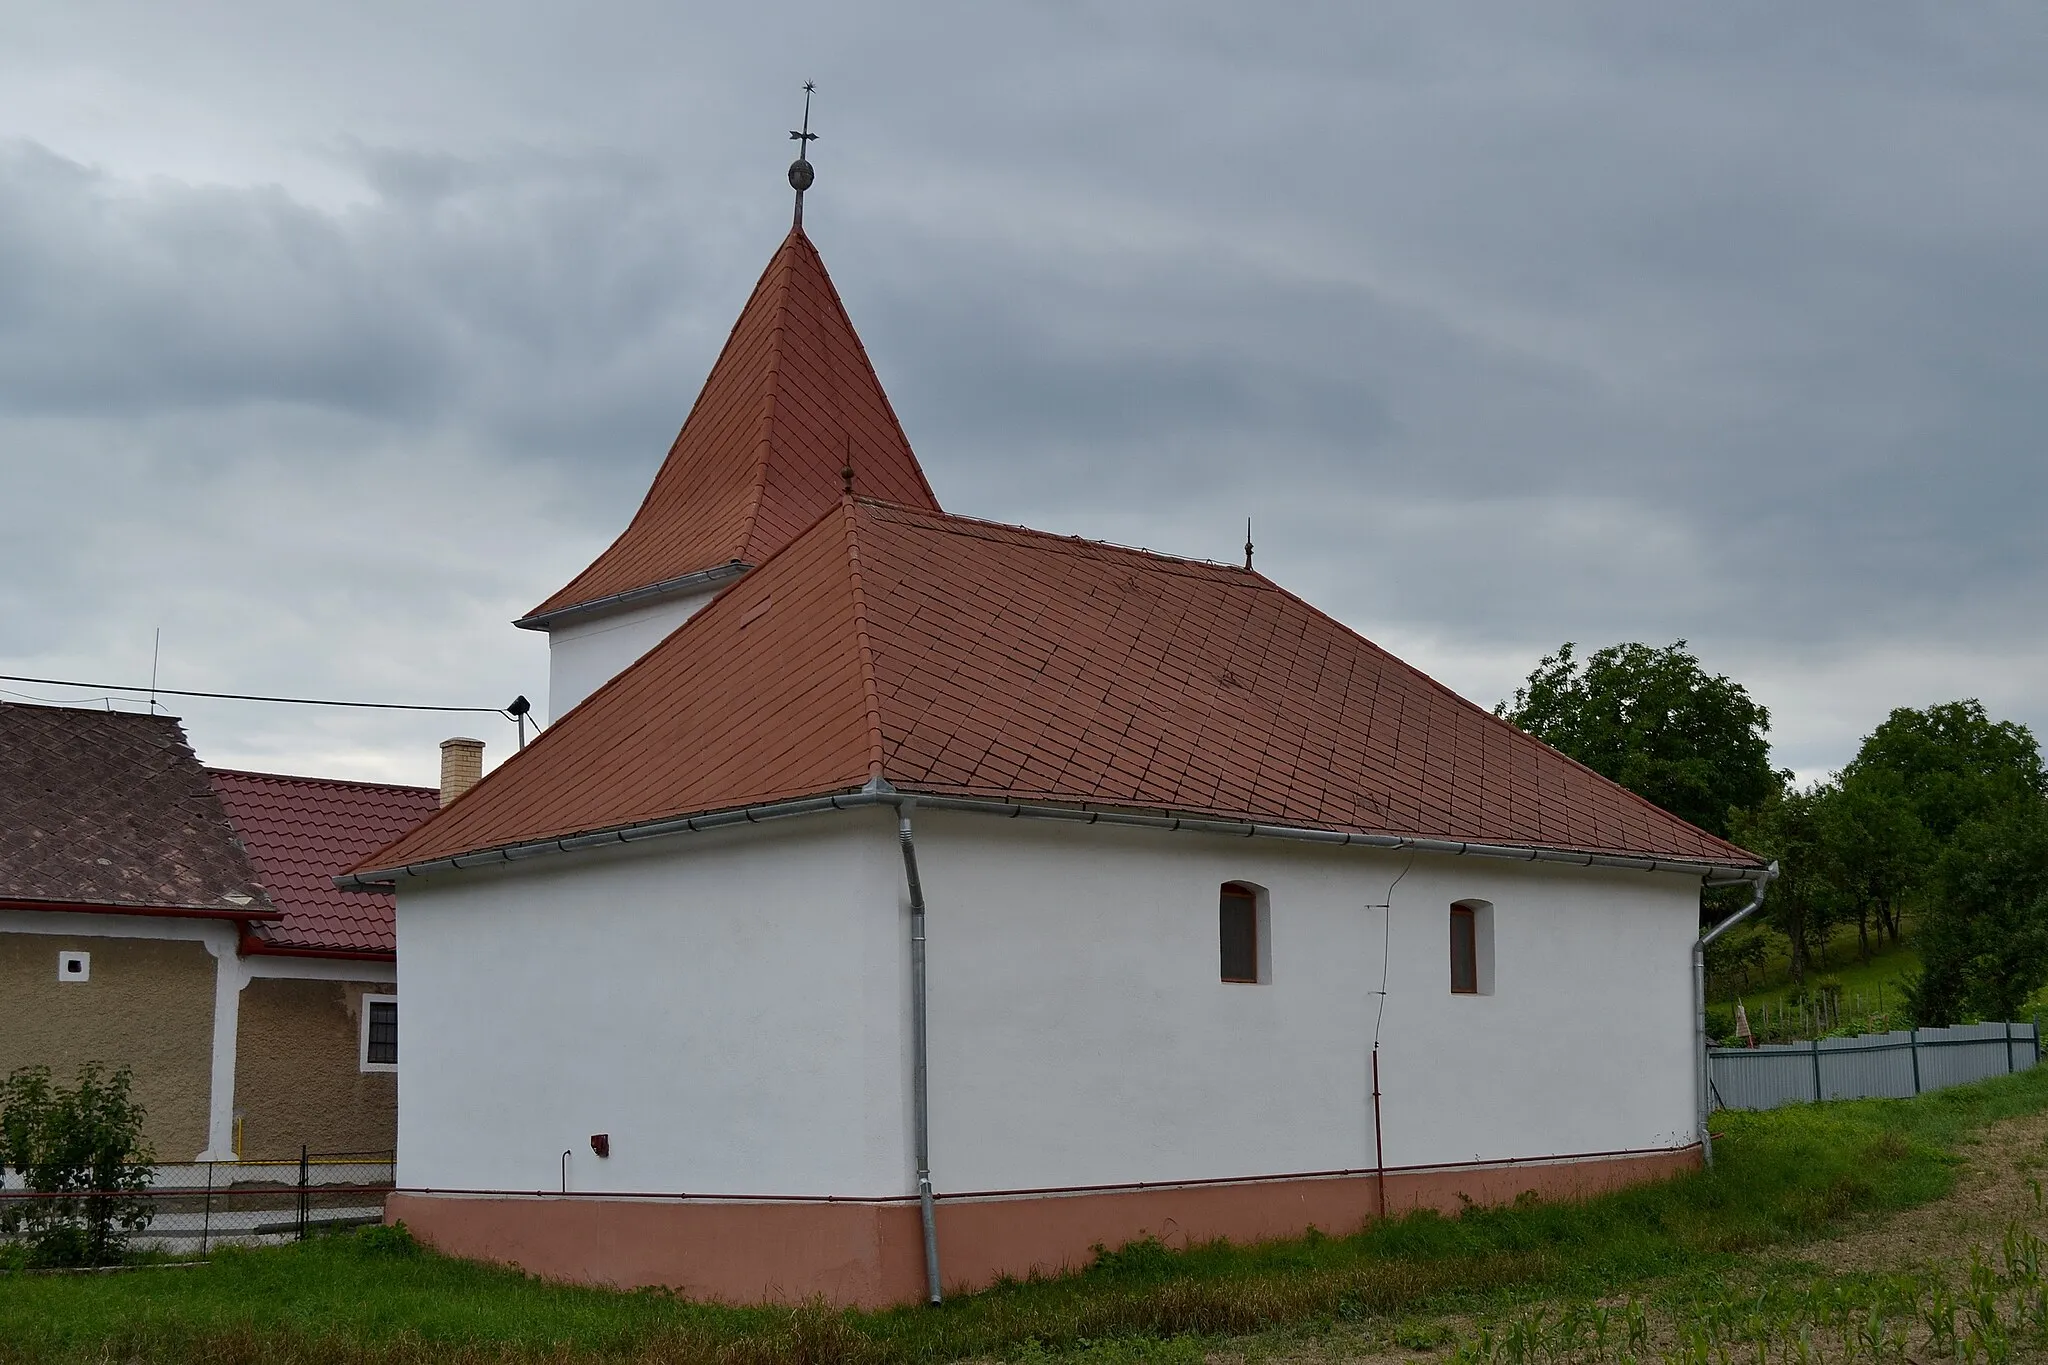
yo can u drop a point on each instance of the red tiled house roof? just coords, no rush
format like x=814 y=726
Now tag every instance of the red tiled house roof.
x=300 y=832
x=791 y=401
x=111 y=810
x=959 y=657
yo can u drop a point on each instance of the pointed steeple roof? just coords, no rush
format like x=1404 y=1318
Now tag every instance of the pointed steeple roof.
x=791 y=402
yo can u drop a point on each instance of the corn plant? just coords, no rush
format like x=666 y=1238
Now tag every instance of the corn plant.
x=1939 y=1317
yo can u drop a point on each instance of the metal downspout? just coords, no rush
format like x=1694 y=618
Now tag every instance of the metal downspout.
x=920 y=1104
x=1699 y=1005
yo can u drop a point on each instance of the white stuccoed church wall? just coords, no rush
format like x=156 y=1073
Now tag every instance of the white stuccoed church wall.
x=732 y=1009
x=585 y=655
x=1081 y=1034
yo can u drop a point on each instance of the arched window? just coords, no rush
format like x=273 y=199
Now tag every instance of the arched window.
x=1241 y=933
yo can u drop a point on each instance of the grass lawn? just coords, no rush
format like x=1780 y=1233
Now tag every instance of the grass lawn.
x=1783 y=1179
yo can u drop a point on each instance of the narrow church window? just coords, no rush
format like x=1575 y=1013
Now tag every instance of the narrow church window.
x=1464 y=951
x=1472 y=948
x=1238 y=921
x=380 y=1033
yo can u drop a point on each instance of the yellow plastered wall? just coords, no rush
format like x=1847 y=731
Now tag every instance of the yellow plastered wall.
x=297 y=1073
x=147 y=1004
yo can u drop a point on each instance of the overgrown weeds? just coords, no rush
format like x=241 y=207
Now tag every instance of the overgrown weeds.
x=1984 y=1314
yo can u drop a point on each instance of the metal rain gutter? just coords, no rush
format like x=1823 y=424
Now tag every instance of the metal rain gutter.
x=1699 y=1004
x=632 y=597
x=920 y=1053
x=1717 y=873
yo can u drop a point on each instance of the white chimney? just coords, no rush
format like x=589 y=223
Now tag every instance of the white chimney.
x=462 y=766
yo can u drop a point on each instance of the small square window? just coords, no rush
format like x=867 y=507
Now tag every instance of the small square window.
x=74 y=966
x=380 y=1033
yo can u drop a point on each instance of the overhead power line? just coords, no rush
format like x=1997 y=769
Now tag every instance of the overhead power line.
x=244 y=696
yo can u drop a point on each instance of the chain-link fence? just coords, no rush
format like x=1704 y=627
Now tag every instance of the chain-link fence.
x=188 y=1208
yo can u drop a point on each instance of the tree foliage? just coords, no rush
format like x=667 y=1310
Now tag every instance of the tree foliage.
x=82 y=1146
x=1943 y=811
x=1952 y=814
x=1953 y=763
x=1873 y=851
x=1656 y=722
x=1984 y=945
x=1788 y=826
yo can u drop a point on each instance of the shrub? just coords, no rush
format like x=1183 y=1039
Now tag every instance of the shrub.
x=82 y=1147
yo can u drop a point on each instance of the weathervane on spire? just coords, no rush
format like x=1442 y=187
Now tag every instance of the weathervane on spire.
x=800 y=173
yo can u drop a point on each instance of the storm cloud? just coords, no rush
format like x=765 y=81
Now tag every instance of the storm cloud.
x=332 y=338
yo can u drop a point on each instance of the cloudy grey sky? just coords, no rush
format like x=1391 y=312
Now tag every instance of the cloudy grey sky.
x=334 y=336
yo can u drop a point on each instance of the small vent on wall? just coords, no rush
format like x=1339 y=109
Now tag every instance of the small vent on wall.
x=74 y=966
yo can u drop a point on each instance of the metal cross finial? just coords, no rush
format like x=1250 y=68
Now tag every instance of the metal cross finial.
x=800 y=173
x=1247 y=542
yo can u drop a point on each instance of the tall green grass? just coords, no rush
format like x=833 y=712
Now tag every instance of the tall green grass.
x=1783 y=1177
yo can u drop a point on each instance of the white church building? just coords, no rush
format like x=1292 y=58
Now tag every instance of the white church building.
x=900 y=900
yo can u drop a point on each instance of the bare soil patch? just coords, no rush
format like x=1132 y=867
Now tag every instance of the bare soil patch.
x=2001 y=1179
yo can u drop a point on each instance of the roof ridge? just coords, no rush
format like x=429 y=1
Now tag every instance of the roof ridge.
x=93 y=707
x=860 y=345
x=324 y=781
x=961 y=521
x=870 y=692
x=764 y=444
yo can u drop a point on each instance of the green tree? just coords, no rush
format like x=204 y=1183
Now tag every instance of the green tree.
x=1953 y=763
x=1984 y=943
x=1656 y=722
x=1873 y=850
x=83 y=1146
x=1786 y=825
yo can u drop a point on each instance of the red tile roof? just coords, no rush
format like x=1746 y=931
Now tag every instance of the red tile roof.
x=962 y=657
x=791 y=402
x=111 y=809
x=302 y=831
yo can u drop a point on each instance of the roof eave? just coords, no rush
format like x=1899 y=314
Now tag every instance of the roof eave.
x=880 y=792
x=251 y=911
x=681 y=585
x=253 y=946
x=385 y=878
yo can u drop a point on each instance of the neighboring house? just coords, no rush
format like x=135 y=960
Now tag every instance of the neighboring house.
x=183 y=923
x=902 y=900
x=317 y=1059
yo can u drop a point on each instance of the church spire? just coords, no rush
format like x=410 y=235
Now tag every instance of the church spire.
x=791 y=403
x=800 y=173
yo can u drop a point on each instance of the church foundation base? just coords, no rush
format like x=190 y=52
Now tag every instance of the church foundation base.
x=870 y=1255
